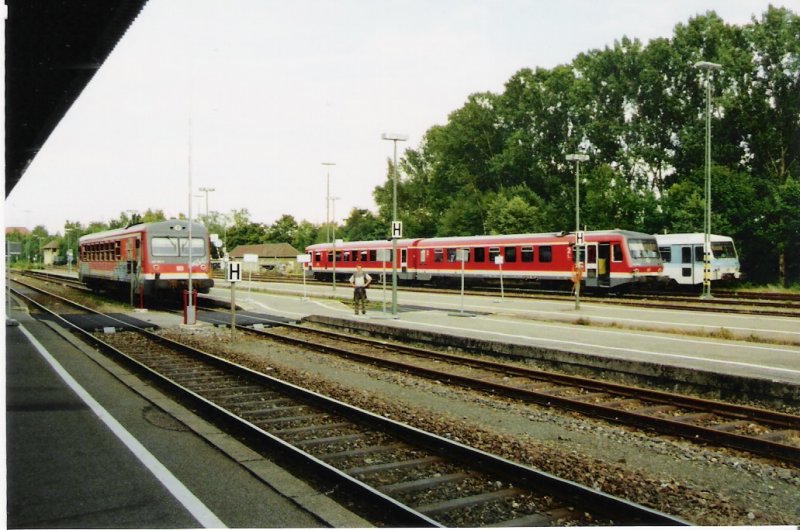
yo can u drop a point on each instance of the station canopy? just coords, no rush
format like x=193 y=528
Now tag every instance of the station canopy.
x=53 y=49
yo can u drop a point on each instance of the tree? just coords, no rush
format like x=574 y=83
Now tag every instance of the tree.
x=282 y=230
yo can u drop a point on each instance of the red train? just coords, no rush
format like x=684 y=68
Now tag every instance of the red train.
x=613 y=259
x=154 y=256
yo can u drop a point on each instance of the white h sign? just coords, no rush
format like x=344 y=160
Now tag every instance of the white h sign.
x=397 y=229
x=234 y=271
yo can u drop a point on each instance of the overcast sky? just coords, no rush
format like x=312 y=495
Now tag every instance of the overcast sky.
x=268 y=90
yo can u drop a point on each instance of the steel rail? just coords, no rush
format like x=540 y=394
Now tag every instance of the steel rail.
x=695 y=433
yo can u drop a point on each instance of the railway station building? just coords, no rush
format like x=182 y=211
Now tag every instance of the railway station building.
x=276 y=257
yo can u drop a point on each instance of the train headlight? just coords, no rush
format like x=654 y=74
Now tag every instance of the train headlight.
x=155 y=267
x=203 y=267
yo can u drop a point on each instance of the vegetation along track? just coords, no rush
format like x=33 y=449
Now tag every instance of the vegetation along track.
x=405 y=476
x=756 y=430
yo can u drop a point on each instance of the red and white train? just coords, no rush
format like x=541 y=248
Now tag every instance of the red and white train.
x=613 y=259
x=152 y=256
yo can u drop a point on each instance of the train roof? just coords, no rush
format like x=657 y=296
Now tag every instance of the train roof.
x=695 y=238
x=168 y=227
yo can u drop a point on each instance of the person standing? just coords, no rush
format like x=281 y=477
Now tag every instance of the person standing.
x=360 y=280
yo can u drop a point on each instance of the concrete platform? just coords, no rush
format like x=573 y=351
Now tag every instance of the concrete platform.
x=89 y=445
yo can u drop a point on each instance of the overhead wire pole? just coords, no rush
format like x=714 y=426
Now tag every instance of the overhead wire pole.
x=206 y=190
x=708 y=67
x=394 y=137
x=328 y=202
x=578 y=158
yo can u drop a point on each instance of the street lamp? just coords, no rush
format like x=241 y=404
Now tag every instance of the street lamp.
x=578 y=158
x=394 y=137
x=207 y=191
x=328 y=202
x=69 y=248
x=708 y=67
x=333 y=211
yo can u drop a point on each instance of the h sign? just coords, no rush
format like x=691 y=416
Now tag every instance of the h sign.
x=397 y=229
x=234 y=271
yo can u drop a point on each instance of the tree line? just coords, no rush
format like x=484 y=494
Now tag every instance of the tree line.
x=498 y=165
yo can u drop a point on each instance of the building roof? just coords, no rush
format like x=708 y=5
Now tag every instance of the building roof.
x=53 y=244
x=19 y=229
x=266 y=250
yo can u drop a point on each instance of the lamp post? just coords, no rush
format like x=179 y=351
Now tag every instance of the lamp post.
x=708 y=67
x=394 y=137
x=328 y=202
x=333 y=211
x=206 y=191
x=578 y=158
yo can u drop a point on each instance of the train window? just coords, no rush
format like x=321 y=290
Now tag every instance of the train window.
x=422 y=255
x=510 y=254
x=437 y=255
x=616 y=253
x=666 y=254
x=164 y=246
x=698 y=253
x=346 y=256
x=338 y=255
x=373 y=255
x=545 y=254
x=330 y=256
x=686 y=254
x=643 y=248
x=479 y=254
x=117 y=250
x=364 y=255
x=493 y=253
x=723 y=249
x=198 y=246
x=451 y=255
x=527 y=254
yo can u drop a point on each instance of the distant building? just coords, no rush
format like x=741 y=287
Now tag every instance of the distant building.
x=21 y=230
x=280 y=257
x=50 y=253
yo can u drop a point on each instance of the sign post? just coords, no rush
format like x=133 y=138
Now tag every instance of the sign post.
x=383 y=256
x=303 y=260
x=250 y=258
x=233 y=274
x=498 y=260
x=397 y=233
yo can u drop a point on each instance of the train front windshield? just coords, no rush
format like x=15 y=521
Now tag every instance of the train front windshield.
x=643 y=249
x=723 y=249
x=173 y=247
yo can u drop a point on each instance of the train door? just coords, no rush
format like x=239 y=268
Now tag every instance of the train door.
x=591 y=264
x=403 y=260
x=691 y=264
x=604 y=265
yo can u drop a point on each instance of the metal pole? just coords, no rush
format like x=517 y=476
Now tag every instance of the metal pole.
x=578 y=158
x=394 y=239
x=707 y=224
x=708 y=67
x=328 y=201
x=578 y=229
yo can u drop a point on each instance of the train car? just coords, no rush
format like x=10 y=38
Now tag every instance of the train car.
x=683 y=258
x=613 y=259
x=152 y=256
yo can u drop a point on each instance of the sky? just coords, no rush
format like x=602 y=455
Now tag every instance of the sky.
x=251 y=97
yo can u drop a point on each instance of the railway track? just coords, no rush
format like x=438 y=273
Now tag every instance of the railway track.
x=401 y=475
x=755 y=430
